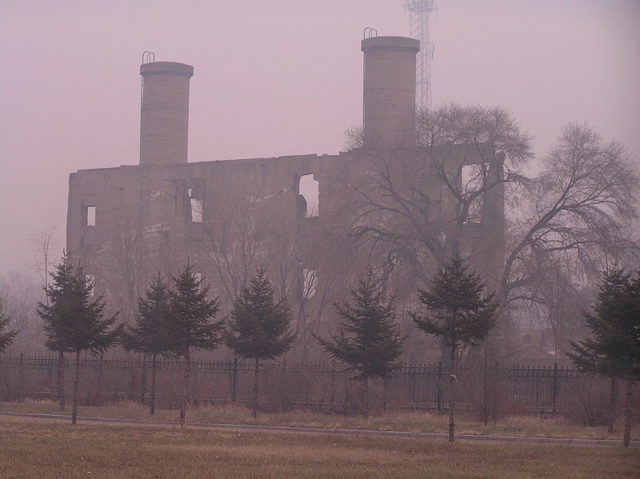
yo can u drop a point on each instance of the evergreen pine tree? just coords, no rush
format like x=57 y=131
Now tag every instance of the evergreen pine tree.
x=74 y=322
x=6 y=337
x=259 y=326
x=457 y=313
x=150 y=335
x=190 y=326
x=368 y=340
x=63 y=276
x=614 y=348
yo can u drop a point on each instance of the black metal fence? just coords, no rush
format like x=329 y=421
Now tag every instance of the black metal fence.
x=283 y=386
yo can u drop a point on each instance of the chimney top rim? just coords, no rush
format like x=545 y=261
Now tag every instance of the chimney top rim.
x=166 y=68
x=390 y=43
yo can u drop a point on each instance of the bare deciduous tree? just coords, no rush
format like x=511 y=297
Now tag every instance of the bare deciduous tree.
x=234 y=242
x=414 y=207
x=19 y=294
x=575 y=215
x=417 y=210
x=251 y=232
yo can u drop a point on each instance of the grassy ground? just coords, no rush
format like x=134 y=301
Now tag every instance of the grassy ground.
x=397 y=421
x=36 y=449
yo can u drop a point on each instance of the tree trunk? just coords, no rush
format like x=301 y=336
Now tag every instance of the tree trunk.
x=143 y=380
x=60 y=381
x=612 y=405
x=21 y=380
x=234 y=379
x=365 y=398
x=385 y=394
x=152 y=397
x=76 y=380
x=628 y=411
x=98 y=396
x=452 y=394
x=254 y=405
x=485 y=386
x=186 y=384
x=131 y=386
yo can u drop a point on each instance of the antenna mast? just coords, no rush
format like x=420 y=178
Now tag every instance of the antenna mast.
x=419 y=23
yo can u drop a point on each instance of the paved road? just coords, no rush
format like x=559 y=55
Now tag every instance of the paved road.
x=320 y=430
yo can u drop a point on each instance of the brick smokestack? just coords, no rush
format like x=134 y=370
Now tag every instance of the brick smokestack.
x=389 y=104
x=164 y=121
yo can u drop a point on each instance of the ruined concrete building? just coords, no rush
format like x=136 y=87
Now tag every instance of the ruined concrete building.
x=315 y=221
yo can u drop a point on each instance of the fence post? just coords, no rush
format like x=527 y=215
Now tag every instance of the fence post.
x=131 y=385
x=100 y=380
x=3 y=378
x=196 y=377
x=554 y=392
x=332 y=398
x=346 y=395
x=485 y=389
x=413 y=384
x=283 y=386
x=234 y=380
x=439 y=388
x=21 y=385
x=612 y=405
x=60 y=380
x=143 y=380
x=495 y=390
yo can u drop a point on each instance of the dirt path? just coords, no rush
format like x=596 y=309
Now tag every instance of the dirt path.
x=320 y=430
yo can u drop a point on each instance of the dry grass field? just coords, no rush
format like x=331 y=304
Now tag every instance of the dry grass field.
x=398 y=421
x=39 y=449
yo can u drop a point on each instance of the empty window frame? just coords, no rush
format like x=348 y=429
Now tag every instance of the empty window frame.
x=196 y=206
x=308 y=189
x=472 y=180
x=89 y=215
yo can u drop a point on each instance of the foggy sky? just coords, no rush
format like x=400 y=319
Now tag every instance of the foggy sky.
x=280 y=77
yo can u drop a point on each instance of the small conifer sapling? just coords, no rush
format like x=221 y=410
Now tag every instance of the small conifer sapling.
x=259 y=326
x=456 y=312
x=191 y=324
x=75 y=320
x=367 y=340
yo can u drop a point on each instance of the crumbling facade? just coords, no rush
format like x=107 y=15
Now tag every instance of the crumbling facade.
x=126 y=224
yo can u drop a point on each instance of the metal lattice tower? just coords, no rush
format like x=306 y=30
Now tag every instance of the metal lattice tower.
x=419 y=22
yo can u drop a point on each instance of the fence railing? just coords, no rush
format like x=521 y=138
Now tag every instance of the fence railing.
x=325 y=386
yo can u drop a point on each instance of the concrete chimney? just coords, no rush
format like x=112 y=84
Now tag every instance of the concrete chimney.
x=389 y=105
x=164 y=120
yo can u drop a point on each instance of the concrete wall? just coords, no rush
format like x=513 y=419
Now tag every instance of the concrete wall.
x=145 y=220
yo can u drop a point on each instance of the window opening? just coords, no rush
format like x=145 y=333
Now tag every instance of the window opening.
x=473 y=177
x=196 y=206
x=89 y=215
x=308 y=189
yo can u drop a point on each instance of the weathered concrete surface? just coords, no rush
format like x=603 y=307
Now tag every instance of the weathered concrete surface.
x=389 y=91
x=164 y=121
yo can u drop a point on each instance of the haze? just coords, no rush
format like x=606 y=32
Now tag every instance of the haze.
x=280 y=77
